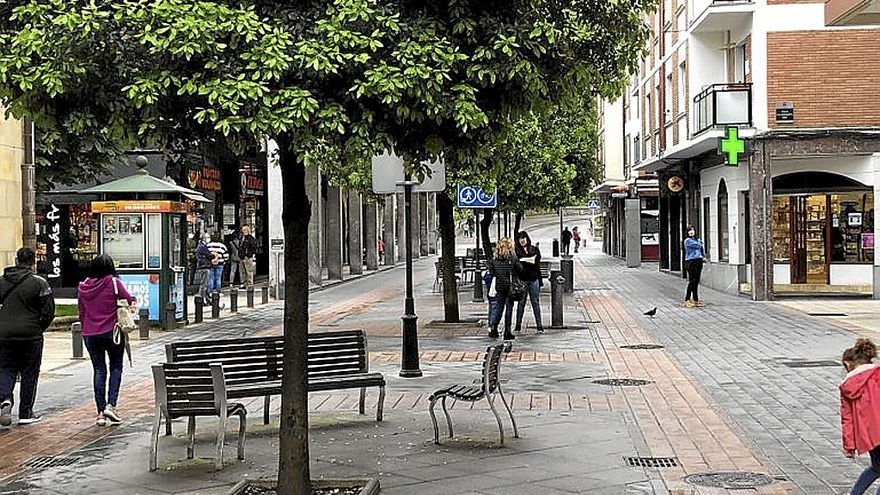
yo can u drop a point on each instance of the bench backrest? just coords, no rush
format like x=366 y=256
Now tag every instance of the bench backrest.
x=251 y=359
x=491 y=364
x=190 y=389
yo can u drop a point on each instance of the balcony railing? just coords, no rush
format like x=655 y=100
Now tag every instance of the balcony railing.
x=723 y=104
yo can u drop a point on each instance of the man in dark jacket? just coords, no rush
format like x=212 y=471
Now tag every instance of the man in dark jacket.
x=27 y=308
x=247 y=251
x=203 y=265
x=566 y=241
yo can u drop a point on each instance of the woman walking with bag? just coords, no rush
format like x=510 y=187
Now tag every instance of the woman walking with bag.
x=99 y=299
x=504 y=269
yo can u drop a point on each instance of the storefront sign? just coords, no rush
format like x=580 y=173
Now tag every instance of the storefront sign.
x=252 y=185
x=675 y=184
x=732 y=146
x=785 y=113
x=144 y=288
x=205 y=178
x=139 y=207
x=276 y=244
x=854 y=220
x=53 y=246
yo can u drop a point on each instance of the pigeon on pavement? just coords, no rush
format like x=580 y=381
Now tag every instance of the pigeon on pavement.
x=650 y=313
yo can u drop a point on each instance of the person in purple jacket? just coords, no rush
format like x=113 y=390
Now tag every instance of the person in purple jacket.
x=97 y=298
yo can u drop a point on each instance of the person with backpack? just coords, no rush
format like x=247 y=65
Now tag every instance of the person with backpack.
x=27 y=308
x=219 y=257
x=98 y=299
x=859 y=414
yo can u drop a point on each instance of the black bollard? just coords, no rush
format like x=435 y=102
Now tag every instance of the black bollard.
x=233 y=300
x=555 y=248
x=144 y=324
x=557 y=284
x=567 y=266
x=265 y=294
x=215 y=305
x=250 y=297
x=478 y=283
x=76 y=338
x=200 y=309
x=170 y=316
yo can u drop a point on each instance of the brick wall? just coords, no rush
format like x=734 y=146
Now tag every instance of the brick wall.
x=748 y=43
x=830 y=76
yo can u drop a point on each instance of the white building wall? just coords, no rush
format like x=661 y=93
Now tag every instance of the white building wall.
x=612 y=139
x=737 y=181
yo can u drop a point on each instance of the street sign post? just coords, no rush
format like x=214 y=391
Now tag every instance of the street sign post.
x=389 y=173
x=475 y=197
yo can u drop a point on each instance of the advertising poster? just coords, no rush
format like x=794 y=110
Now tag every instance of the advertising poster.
x=178 y=292
x=145 y=288
x=868 y=240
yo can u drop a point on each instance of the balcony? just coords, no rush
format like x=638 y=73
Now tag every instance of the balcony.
x=722 y=15
x=722 y=104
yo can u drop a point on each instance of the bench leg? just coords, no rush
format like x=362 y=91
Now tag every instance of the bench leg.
x=448 y=417
x=363 y=400
x=154 y=440
x=167 y=427
x=191 y=437
x=221 y=438
x=242 y=431
x=509 y=412
x=434 y=420
x=380 y=408
x=497 y=417
x=266 y=403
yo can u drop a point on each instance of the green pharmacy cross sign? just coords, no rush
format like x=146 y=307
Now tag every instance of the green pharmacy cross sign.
x=731 y=146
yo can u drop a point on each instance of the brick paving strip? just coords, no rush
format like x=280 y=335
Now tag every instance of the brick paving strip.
x=675 y=416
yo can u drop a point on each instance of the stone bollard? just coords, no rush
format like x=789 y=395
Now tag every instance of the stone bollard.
x=215 y=305
x=200 y=309
x=265 y=294
x=567 y=266
x=144 y=324
x=170 y=316
x=76 y=338
x=557 y=285
x=250 y=297
x=233 y=300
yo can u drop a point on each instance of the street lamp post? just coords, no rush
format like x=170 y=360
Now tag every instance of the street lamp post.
x=409 y=366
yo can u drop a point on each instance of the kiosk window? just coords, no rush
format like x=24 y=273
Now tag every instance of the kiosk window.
x=123 y=239
x=154 y=241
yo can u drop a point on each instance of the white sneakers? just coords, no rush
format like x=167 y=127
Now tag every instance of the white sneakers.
x=6 y=413
x=111 y=416
x=35 y=418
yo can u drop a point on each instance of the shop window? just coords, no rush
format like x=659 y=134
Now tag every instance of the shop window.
x=723 y=233
x=781 y=230
x=852 y=227
x=154 y=241
x=123 y=239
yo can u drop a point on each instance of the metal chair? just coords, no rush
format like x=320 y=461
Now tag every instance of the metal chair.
x=490 y=386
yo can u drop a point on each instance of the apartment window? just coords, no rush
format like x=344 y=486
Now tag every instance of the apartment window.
x=637 y=150
x=739 y=68
x=723 y=234
x=669 y=104
x=682 y=88
x=635 y=104
x=650 y=114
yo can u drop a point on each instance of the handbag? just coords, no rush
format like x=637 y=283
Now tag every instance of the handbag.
x=517 y=287
x=124 y=322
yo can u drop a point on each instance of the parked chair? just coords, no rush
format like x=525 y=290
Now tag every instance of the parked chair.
x=489 y=388
x=438 y=276
x=190 y=390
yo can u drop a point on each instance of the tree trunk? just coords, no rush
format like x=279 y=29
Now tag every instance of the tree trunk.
x=485 y=223
x=447 y=261
x=293 y=452
x=517 y=223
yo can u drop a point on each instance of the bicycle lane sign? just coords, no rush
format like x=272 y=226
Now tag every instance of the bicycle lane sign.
x=475 y=197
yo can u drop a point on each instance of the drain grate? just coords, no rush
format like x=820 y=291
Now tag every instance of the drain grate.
x=811 y=364
x=622 y=382
x=827 y=314
x=50 y=461
x=738 y=480
x=651 y=462
x=642 y=347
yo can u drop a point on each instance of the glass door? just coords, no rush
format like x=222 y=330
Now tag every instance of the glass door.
x=798 y=219
x=816 y=251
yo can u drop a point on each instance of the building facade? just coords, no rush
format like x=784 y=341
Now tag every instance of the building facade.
x=11 y=157
x=797 y=78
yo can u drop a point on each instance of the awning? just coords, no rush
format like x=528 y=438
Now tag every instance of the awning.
x=197 y=197
x=607 y=186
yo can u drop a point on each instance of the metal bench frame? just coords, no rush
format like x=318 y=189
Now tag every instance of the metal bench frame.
x=490 y=386
x=170 y=391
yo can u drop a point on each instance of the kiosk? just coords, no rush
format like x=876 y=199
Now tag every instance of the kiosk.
x=142 y=226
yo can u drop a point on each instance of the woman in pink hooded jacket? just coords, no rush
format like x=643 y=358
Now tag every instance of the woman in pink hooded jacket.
x=860 y=410
x=97 y=296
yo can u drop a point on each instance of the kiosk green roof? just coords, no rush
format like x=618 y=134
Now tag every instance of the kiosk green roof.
x=144 y=183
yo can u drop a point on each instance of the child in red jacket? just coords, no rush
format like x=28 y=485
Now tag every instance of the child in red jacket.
x=860 y=409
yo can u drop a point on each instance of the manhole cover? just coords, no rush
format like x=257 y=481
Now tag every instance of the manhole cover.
x=826 y=314
x=651 y=462
x=642 y=347
x=811 y=364
x=50 y=461
x=622 y=382
x=738 y=480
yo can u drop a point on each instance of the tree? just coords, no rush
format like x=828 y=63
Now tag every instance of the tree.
x=330 y=81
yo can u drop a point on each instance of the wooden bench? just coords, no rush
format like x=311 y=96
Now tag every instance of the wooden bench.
x=190 y=390
x=336 y=360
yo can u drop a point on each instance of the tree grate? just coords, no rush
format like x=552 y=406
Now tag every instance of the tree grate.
x=642 y=347
x=737 y=480
x=651 y=462
x=622 y=382
x=811 y=364
x=41 y=462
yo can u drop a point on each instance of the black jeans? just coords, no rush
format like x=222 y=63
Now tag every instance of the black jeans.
x=101 y=349
x=20 y=357
x=694 y=269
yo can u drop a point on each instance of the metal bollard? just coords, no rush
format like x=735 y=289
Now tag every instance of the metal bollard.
x=478 y=286
x=144 y=324
x=233 y=300
x=567 y=266
x=215 y=305
x=170 y=316
x=76 y=338
x=557 y=285
x=250 y=297
x=265 y=294
x=200 y=309
x=555 y=248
